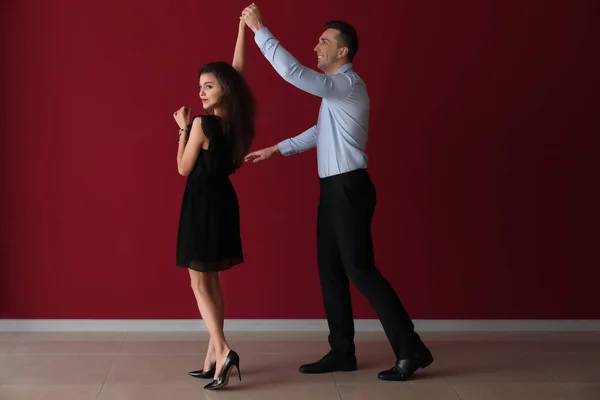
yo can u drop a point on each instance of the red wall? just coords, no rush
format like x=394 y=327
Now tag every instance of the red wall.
x=480 y=148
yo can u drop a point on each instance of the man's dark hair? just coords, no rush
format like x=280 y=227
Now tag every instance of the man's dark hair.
x=347 y=37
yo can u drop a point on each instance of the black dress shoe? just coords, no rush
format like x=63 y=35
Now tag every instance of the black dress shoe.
x=329 y=364
x=406 y=367
x=202 y=374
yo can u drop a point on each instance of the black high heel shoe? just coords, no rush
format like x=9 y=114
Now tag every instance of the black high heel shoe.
x=202 y=374
x=232 y=360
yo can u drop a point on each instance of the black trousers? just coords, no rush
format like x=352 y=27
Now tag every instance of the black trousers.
x=345 y=249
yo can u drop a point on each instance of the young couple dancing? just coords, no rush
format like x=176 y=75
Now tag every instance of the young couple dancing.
x=213 y=146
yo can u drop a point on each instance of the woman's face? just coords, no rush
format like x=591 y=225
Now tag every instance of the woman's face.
x=210 y=91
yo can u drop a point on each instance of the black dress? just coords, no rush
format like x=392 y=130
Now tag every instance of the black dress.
x=209 y=223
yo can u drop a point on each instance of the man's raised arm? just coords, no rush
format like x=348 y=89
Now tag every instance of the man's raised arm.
x=333 y=87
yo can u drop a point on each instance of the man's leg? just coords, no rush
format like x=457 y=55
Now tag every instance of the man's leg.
x=354 y=216
x=335 y=289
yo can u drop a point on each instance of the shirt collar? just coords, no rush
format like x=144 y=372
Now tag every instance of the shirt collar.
x=344 y=68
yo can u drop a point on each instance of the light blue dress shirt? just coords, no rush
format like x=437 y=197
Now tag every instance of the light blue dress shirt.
x=340 y=134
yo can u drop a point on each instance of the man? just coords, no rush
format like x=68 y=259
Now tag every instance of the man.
x=347 y=198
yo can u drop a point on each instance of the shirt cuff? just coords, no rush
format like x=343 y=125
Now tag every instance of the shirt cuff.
x=262 y=35
x=285 y=147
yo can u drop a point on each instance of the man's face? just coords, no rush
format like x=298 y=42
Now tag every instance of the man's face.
x=328 y=52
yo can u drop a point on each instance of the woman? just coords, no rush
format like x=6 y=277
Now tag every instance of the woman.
x=211 y=148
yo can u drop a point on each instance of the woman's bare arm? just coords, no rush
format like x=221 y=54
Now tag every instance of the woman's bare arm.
x=239 y=54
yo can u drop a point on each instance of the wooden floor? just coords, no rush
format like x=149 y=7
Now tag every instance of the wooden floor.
x=154 y=365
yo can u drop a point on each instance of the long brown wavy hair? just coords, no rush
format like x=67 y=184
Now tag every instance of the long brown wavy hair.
x=237 y=99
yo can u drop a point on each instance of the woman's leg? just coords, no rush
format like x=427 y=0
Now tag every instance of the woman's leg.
x=217 y=295
x=210 y=358
x=202 y=282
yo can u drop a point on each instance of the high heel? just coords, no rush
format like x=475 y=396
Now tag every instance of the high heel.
x=232 y=360
x=202 y=374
